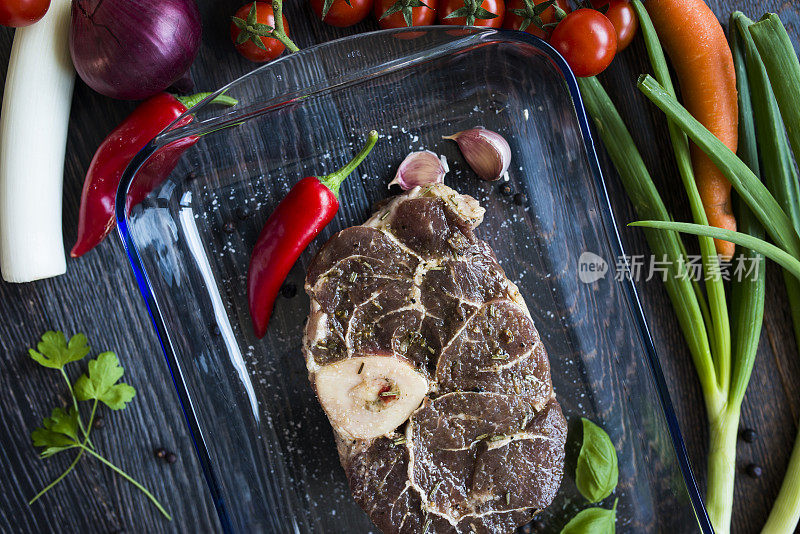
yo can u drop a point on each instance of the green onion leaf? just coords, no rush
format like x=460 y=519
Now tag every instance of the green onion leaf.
x=754 y=193
x=776 y=254
x=648 y=204
x=719 y=327
x=783 y=67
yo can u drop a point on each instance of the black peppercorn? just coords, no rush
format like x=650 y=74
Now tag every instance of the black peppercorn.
x=229 y=227
x=214 y=329
x=506 y=190
x=749 y=435
x=520 y=199
x=171 y=458
x=191 y=176
x=538 y=525
x=99 y=423
x=753 y=471
x=288 y=290
x=243 y=212
x=160 y=452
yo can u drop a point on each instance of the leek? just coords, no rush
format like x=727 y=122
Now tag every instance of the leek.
x=33 y=138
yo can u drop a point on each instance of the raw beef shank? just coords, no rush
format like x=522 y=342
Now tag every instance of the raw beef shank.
x=426 y=361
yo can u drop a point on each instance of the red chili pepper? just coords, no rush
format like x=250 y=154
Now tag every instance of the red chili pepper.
x=301 y=215
x=96 y=217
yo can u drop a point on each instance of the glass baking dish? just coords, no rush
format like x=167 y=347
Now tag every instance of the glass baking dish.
x=264 y=442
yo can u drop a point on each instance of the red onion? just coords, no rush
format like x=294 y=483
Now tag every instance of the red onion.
x=132 y=49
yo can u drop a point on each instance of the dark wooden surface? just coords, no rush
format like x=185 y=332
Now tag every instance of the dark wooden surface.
x=99 y=296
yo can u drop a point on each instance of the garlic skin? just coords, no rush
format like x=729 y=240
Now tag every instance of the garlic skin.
x=487 y=152
x=420 y=168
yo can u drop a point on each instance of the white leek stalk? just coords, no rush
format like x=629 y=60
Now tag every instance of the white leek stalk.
x=33 y=138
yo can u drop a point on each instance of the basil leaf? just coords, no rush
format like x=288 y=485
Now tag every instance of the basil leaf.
x=597 y=473
x=592 y=521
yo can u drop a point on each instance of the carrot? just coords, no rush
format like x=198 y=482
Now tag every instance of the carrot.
x=696 y=44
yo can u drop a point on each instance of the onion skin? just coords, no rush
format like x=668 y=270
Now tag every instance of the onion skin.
x=133 y=49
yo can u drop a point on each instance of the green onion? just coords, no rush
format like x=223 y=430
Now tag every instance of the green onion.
x=740 y=48
x=747 y=295
x=647 y=202
x=779 y=171
x=776 y=254
x=747 y=312
x=770 y=37
x=747 y=307
x=783 y=67
x=719 y=328
x=785 y=511
x=754 y=193
x=747 y=303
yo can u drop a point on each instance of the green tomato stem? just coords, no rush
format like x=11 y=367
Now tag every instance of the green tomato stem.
x=60 y=477
x=127 y=477
x=279 y=32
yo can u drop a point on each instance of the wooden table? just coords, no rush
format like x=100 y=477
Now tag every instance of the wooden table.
x=99 y=296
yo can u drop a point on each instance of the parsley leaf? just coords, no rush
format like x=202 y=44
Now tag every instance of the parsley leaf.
x=101 y=383
x=54 y=351
x=64 y=429
x=60 y=432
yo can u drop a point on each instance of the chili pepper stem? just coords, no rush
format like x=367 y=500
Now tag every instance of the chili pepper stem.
x=333 y=180
x=191 y=101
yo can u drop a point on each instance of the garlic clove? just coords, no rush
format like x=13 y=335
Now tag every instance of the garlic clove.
x=487 y=152
x=420 y=168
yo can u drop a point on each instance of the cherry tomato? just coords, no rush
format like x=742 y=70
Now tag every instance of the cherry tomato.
x=513 y=21
x=587 y=40
x=263 y=15
x=340 y=14
x=18 y=13
x=419 y=15
x=473 y=10
x=624 y=19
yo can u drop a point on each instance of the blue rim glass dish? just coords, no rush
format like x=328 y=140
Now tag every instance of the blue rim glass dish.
x=266 y=448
